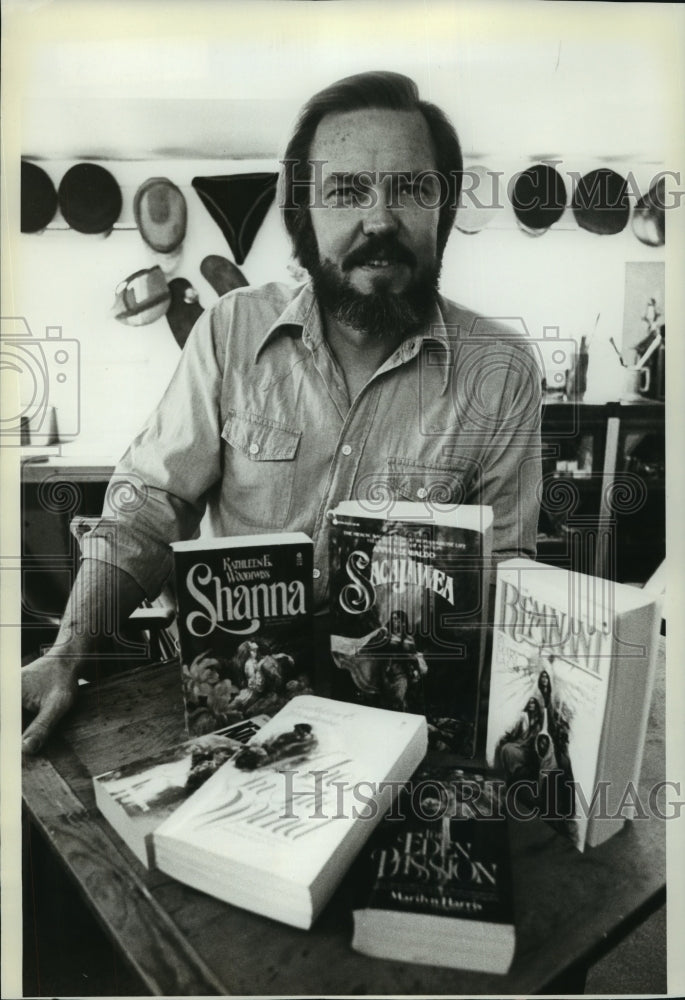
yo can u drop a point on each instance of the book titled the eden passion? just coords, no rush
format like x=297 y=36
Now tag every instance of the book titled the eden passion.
x=244 y=623
x=438 y=874
x=409 y=590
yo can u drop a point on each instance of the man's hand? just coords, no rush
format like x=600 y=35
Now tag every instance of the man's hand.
x=49 y=684
x=48 y=687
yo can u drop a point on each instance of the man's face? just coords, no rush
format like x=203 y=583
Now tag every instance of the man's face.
x=375 y=264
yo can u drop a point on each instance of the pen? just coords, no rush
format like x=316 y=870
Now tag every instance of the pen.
x=613 y=344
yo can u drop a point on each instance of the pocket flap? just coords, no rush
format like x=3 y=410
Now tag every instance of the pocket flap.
x=260 y=439
x=411 y=481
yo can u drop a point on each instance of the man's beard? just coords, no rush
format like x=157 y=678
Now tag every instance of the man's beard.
x=381 y=313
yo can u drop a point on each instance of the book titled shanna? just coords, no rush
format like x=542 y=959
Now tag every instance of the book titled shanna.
x=244 y=623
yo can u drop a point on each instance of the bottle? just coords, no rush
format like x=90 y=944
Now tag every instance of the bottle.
x=581 y=369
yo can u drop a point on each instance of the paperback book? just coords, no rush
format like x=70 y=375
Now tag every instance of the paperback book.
x=277 y=826
x=409 y=591
x=439 y=875
x=244 y=623
x=137 y=797
x=573 y=660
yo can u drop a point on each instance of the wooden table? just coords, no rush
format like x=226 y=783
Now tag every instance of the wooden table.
x=570 y=908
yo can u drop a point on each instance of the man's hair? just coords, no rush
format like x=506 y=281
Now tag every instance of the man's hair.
x=378 y=90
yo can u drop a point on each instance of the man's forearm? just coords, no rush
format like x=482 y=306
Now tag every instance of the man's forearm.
x=101 y=600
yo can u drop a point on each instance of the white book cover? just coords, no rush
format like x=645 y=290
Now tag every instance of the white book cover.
x=571 y=674
x=276 y=827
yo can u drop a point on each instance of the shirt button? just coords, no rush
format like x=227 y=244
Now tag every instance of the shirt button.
x=422 y=493
x=254 y=448
x=346 y=450
x=316 y=573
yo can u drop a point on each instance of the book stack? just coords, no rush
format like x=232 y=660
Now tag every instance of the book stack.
x=138 y=797
x=275 y=829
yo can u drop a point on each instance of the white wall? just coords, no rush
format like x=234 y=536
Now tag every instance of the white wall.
x=142 y=87
x=62 y=278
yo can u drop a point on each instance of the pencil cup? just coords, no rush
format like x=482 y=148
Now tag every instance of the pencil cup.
x=635 y=383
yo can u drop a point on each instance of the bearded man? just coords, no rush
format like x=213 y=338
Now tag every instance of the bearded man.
x=288 y=400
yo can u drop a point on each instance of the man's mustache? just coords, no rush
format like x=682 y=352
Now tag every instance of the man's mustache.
x=379 y=248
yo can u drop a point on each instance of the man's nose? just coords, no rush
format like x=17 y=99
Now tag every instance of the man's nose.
x=379 y=218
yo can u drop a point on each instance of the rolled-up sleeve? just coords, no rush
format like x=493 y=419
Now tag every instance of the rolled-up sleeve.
x=158 y=491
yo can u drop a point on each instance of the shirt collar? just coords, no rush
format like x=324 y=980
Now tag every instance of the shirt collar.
x=303 y=312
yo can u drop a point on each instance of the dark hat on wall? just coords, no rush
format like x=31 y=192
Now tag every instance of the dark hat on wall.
x=222 y=274
x=600 y=202
x=238 y=203
x=649 y=216
x=90 y=198
x=538 y=198
x=184 y=309
x=38 y=198
x=142 y=297
x=161 y=214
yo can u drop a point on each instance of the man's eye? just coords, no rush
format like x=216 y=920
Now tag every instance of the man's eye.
x=421 y=190
x=345 y=196
x=410 y=189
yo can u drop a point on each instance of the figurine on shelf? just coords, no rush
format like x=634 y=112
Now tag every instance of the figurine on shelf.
x=651 y=351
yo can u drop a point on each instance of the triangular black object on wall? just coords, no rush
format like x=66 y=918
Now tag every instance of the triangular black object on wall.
x=238 y=203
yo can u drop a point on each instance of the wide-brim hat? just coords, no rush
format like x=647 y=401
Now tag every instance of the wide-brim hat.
x=538 y=198
x=478 y=200
x=38 y=198
x=90 y=198
x=649 y=216
x=600 y=202
x=142 y=297
x=161 y=214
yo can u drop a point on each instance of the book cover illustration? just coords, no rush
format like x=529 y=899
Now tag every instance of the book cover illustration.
x=407 y=621
x=244 y=613
x=276 y=827
x=137 y=797
x=295 y=779
x=441 y=858
x=551 y=661
x=157 y=783
x=450 y=854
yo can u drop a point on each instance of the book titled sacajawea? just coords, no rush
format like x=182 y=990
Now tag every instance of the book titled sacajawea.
x=439 y=875
x=409 y=589
x=573 y=662
x=275 y=829
x=244 y=617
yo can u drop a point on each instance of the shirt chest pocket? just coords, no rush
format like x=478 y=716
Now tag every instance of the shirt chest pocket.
x=260 y=462
x=430 y=484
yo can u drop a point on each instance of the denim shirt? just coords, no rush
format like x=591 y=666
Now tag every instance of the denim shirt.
x=256 y=433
